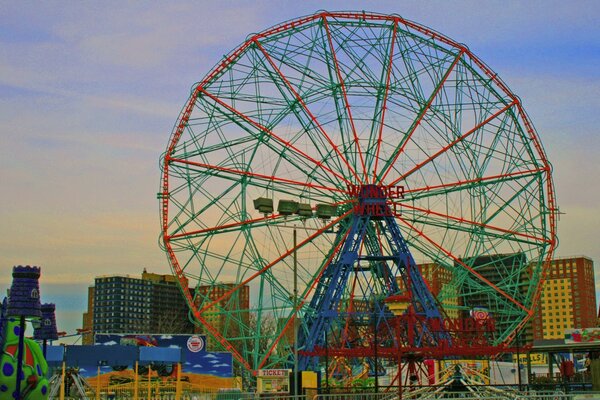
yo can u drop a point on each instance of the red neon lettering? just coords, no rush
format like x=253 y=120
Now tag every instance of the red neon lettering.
x=376 y=191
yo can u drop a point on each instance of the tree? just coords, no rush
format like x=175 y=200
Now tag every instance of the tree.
x=169 y=322
x=252 y=340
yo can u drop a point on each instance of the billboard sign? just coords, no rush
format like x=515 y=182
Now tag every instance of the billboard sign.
x=157 y=357
x=195 y=357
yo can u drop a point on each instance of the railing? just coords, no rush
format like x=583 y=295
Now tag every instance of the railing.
x=157 y=390
x=356 y=396
x=167 y=390
x=122 y=393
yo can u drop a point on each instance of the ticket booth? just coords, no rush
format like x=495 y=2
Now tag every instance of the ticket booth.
x=272 y=381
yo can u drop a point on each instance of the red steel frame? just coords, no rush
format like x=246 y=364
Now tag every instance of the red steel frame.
x=255 y=39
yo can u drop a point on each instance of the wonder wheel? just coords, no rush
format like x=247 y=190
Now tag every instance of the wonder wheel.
x=343 y=173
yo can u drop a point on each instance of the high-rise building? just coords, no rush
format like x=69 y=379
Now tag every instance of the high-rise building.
x=168 y=307
x=125 y=304
x=568 y=298
x=88 y=319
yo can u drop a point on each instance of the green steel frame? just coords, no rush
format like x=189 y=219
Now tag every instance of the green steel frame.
x=310 y=108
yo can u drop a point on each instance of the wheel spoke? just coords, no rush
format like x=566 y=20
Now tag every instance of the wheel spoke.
x=276 y=261
x=237 y=172
x=451 y=144
x=469 y=225
x=388 y=76
x=305 y=296
x=286 y=144
x=388 y=166
x=310 y=115
x=435 y=190
x=458 y=261
x=347 y=107
x=267 y=220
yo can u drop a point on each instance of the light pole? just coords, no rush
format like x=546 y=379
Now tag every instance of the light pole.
x=295 y=314
x=376 y=368
x=326 y=362
x=518 y=360
x=286 y=208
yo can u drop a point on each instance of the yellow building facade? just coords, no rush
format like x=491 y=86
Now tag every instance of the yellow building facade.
x=568 y=298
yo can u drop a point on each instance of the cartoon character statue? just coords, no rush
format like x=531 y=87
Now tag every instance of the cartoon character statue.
x=34 y=384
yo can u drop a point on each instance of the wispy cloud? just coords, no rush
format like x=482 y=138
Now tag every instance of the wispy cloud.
x=89 y=93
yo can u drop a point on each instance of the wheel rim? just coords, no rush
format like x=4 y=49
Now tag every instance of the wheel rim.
x=307 y=108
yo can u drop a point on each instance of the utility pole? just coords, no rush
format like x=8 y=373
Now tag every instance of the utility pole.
x=296 y=387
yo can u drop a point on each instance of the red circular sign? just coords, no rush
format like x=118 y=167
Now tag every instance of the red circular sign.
x=195 y=344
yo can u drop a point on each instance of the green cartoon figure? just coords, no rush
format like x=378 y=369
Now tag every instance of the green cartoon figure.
x=34 y=384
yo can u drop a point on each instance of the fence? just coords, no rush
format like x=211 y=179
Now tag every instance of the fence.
x=163 y=393
x=461 y=395
x=154 y=390
x=162 y=388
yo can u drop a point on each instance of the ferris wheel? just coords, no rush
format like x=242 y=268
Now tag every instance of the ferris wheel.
x=336 y=171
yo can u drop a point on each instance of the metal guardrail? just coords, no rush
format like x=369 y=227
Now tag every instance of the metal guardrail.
x=356 y=396
x=191 y=394
x=550 y=395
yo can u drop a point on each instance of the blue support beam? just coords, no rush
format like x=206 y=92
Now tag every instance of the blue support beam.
x=371 y=228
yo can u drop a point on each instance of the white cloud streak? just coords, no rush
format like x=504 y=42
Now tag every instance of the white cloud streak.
x=89 y=93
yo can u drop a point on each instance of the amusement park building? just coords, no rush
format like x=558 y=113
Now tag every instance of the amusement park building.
x=568 y=298
x=126 y=304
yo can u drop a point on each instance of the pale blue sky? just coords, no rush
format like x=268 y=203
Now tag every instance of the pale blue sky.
x=89 y=92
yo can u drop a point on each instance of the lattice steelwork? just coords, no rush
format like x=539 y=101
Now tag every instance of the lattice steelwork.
x=309 y=111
